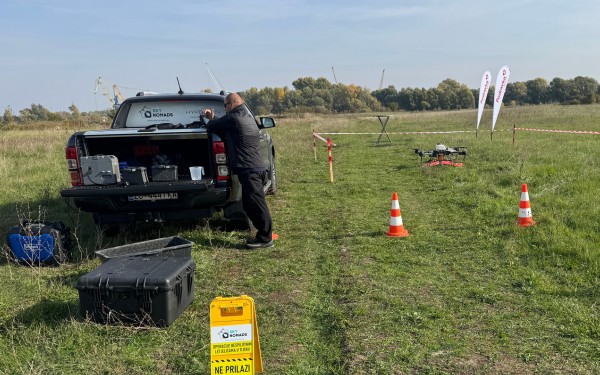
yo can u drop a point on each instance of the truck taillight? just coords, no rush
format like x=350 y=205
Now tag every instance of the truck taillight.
x=73 y=165
x=220 y=161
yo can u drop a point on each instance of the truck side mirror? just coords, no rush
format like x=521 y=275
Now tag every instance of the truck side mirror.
x=267 y=122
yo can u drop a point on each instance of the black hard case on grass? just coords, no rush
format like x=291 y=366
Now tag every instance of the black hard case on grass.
x=137 y=290
x=167 y=246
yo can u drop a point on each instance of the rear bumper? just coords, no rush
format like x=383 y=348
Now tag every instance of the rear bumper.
x=191 y=195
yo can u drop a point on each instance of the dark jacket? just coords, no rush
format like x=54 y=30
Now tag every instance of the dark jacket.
x=242 y=137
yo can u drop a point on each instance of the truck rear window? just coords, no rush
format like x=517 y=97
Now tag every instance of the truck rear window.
x=183 y=112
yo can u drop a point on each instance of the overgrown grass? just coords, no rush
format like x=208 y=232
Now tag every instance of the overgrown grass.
x=468 y=291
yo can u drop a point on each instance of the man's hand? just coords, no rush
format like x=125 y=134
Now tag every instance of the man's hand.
x=209 y=113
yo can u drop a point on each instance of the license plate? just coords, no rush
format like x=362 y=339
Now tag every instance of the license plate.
x=152 y=197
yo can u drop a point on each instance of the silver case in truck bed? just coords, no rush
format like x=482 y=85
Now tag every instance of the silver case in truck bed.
x=100 y=170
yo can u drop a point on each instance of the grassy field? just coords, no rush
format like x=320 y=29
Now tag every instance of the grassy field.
x=468 y=292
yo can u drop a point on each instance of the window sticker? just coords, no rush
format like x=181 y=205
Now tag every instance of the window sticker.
x=182 y=112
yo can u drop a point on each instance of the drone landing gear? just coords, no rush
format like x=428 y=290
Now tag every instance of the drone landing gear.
x=442 y=162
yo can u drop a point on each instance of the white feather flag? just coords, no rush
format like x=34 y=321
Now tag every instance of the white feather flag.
x=501 y=82
x=483 y=91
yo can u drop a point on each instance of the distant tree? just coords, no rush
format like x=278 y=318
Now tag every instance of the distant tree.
x=37 y=112
x=322 y=83
x=433 y=98
x=342 y=99
x=367 y=101
x=387 y=96
x=450 y=98
x=304 y=82
x=293 y=99
x=465 y=98
x=406 y=99
x=559 y=90
x=537 y=91
x=56 y=116
x=516 y=93
x=420 y=99
x=585 y=88
x=279 y=100
x=74 y=111
x=8 y=117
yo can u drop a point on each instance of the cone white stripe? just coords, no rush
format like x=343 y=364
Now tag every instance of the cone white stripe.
x=524 y=212
x=395 y=205
x=396 y=221
x=524 y=196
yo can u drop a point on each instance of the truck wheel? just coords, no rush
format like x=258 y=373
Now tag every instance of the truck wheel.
x=237 y=216
x=272 y=190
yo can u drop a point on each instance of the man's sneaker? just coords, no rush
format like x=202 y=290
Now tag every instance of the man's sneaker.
x=258 y=244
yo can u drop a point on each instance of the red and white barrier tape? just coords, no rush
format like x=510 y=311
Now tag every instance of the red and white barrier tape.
x=323 y=139
x=558 y=131
x=449 y=132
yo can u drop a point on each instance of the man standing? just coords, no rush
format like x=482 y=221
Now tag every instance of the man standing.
x=243 y=152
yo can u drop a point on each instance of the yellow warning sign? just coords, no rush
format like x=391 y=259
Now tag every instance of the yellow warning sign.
x=235 y=347
x=232 y=366
x=241 y=347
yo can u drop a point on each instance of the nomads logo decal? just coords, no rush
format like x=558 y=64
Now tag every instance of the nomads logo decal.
x=154 y=113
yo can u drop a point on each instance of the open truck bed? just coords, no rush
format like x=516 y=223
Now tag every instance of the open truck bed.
x=130 y=162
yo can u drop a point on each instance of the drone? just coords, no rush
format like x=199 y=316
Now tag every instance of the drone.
x=442 y=155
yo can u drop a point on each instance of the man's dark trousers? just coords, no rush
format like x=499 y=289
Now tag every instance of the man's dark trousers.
x=255 y=204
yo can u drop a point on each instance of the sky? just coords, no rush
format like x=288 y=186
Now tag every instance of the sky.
x=53 y=51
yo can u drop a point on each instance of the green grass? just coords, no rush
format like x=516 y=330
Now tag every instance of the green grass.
x=468 y=291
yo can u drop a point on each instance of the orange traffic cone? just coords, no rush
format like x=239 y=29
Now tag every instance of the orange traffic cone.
x=525 y=218
x=396 y=227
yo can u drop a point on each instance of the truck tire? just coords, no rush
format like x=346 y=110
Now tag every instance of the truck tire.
x=237 y=216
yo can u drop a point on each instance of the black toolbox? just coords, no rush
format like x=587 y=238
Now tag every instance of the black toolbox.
x=134 y=176
x=137 y=290
x=164 y=173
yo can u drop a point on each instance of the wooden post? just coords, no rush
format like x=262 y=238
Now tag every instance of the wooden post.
x=330 y=160
x=514 y=135
x=315 y=144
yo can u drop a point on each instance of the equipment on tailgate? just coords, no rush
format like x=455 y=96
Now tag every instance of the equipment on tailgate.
x=164 y=173
x=100 y=170
x=134 y=176
x=139 y=290
x=40 y=242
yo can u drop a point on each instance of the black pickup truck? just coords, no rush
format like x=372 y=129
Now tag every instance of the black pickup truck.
x=139 y=169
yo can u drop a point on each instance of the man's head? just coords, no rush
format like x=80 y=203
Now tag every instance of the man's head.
x=233 y=100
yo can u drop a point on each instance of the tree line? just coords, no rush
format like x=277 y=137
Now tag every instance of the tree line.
x=321 y=96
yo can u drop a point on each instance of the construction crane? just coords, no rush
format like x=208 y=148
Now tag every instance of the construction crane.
x=100 y=84
x=118 y=97
x=334 y=77
x=381 y=81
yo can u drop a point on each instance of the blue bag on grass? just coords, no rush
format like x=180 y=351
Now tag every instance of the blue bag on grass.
x=39 y=243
